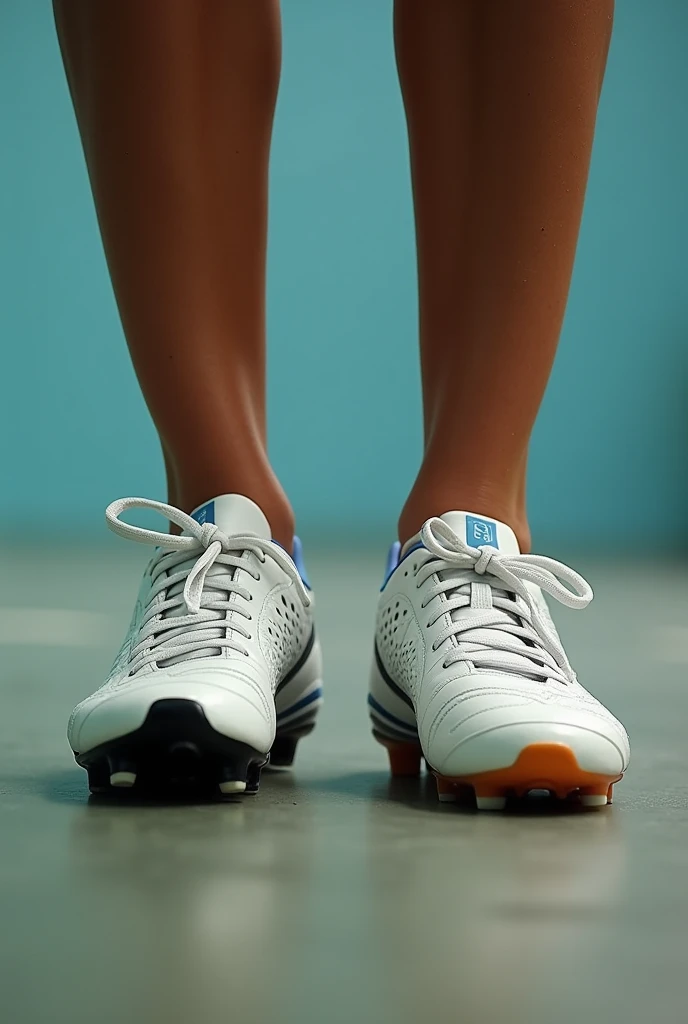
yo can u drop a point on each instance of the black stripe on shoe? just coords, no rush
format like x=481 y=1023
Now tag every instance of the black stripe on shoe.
x=391 y=737
x=390 y=682
x=298 y=722
x=299 y=664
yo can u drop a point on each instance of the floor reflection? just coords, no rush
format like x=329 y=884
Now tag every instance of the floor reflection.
x=490 y=918
x=203 y=903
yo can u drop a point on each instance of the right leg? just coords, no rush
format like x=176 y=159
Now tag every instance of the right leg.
x=175 y=102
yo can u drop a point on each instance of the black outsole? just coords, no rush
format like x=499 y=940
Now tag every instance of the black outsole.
x=283 y=749
x=176 y=752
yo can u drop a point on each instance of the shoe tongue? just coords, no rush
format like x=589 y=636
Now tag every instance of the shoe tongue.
x=234 y=514
x=477 y=531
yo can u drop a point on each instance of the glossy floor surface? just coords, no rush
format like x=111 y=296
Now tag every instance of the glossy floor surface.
x=336 y=895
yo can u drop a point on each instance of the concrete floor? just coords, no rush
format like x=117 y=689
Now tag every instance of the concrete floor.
x=336 y=896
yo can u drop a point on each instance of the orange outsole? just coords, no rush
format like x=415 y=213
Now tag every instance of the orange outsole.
x=404 y=758
x=539 y=766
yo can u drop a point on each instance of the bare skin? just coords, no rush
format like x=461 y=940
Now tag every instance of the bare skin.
x=501 y=100
x=175 y=102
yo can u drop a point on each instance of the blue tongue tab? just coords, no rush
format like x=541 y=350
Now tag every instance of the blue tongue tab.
x=233 y=514
x=481 y=532
x=205 y=514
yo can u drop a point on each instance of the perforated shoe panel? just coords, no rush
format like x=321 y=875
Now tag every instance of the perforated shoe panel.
x=284 y=630
x=400 y=643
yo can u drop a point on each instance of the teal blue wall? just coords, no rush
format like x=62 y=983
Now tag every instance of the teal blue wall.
x=609 y=453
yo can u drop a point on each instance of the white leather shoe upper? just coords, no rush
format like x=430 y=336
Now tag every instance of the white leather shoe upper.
x=222 y=617
x=468 y=654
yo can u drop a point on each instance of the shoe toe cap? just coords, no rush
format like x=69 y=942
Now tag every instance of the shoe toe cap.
x=234 y=704
x=468 y=733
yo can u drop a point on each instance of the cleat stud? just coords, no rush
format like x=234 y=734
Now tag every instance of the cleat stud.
x=253 y=779
x=490 y=803
x=232 y=786
x=176 y=753
x=283 y=751
x=122 y=780
x=610 y=794
x=99 y=777
x=489 y=797
x=447 y=792
x=231 y=780
x=593 y=799
x=284 y=747
x=122 y=772
x=540 y=771
x=540 y=793
x=595 y=796
x=404 y=759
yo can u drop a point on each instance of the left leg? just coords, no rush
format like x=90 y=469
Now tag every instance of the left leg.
x=469 y=671
x=501 y=100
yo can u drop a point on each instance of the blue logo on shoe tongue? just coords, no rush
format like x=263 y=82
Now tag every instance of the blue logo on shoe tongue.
x=481 y=533
x=205 y=514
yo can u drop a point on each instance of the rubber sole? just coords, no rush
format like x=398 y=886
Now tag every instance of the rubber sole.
x=540 y=767
x=283 y=750
x=177 y=753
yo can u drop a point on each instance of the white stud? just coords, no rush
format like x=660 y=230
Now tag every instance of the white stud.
x=594 y=800
x=448 y=798
x=490 y=803
x=123 y=780
x=235 y=786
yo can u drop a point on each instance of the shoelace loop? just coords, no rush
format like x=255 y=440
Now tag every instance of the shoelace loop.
x=162 y=638
x=557 y=579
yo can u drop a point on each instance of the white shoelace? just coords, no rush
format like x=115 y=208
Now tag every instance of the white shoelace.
x=484 y=637
x=185 y=623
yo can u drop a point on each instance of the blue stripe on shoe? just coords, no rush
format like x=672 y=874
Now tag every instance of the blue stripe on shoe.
x=392 y=562
x=296 y=555
x=304 y=702
x=395 y=552
x=397 y=722
x=381 y=730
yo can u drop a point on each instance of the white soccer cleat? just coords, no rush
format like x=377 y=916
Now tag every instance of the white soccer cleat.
x=220 y=666
x=470 y=673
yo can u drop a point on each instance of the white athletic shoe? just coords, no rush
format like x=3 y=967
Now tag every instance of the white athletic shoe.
x=470 y=673
x=220 y=666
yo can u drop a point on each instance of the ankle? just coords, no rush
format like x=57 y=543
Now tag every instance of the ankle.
x=267 y=494
x=425 y=502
